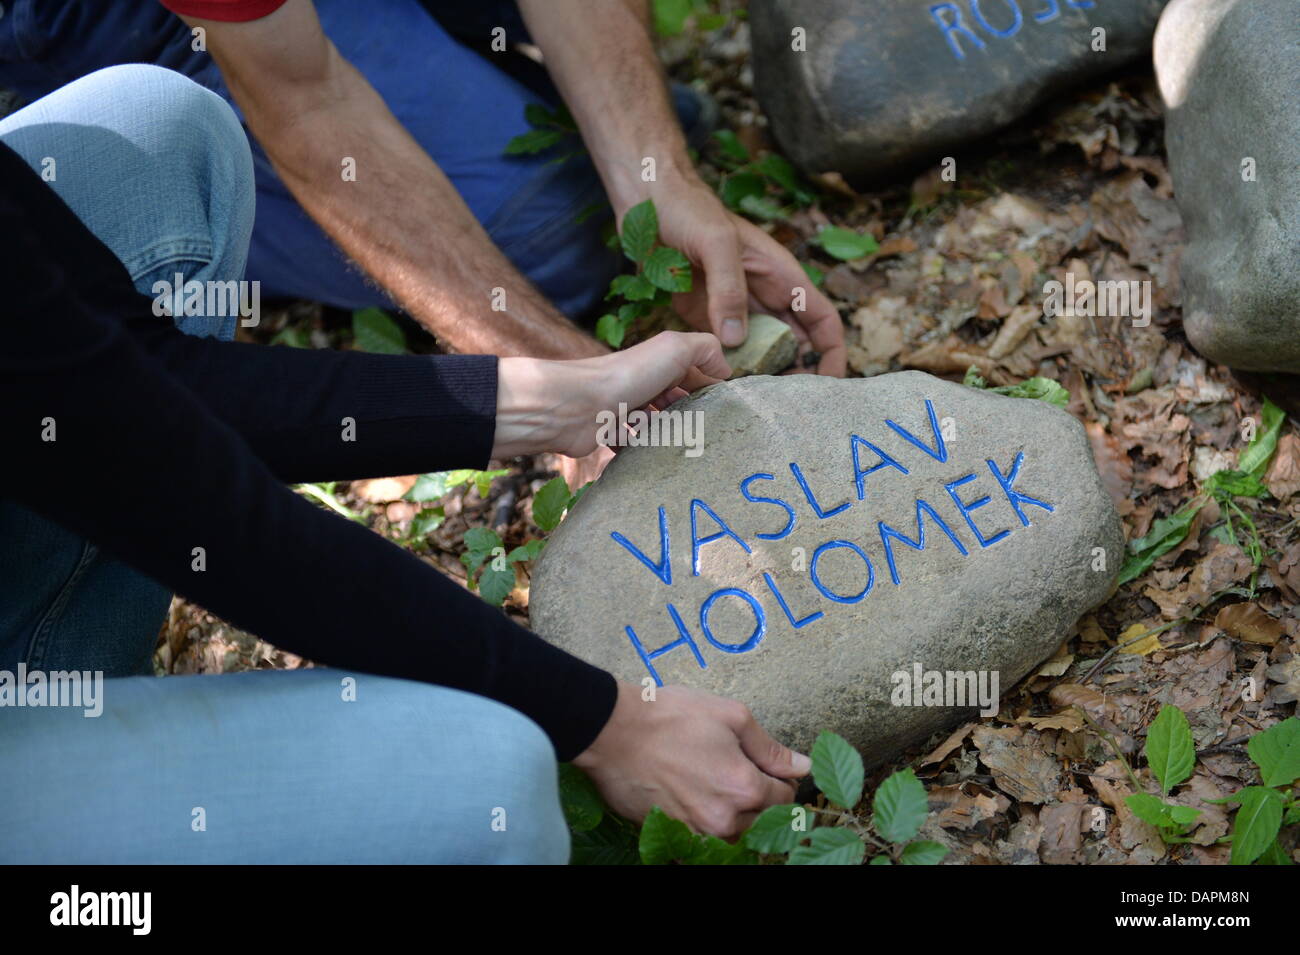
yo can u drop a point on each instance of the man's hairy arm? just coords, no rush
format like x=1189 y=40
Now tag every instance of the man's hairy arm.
x=401 y=219
x=606 y=69
x=604 y=63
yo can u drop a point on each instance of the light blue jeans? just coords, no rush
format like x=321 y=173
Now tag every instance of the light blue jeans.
x=159 y=169
x=316 y=766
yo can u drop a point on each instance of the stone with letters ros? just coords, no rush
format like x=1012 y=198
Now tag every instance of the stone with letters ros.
x=784 y=566
x=866 y=88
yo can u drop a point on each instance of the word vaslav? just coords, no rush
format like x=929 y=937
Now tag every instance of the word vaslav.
x=708 y=527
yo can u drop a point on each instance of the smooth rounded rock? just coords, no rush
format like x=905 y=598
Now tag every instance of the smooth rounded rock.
x=864 y=88
x=775 y=561
x=1229 y=73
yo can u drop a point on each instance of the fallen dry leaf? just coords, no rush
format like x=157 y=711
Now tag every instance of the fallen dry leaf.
x=1113 y=465
x=1063 y=826
x=1021 y=767
x=1283 y=477
x=1248 y=621
x=1068 y=720
x=1132 y=641
x=965 y=806
x=1288 y=675
x=940 y=752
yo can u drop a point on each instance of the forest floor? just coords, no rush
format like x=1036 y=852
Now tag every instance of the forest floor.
x=957 y=282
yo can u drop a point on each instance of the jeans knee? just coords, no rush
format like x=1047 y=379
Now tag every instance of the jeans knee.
x=518 y=767
x=192 y=128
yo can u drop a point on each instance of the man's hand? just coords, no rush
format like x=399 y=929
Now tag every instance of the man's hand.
x=552 y=405
x=742 y=269
x=605 y=65
x=698 y=757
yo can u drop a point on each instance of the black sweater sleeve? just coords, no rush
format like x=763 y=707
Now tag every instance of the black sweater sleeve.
x=171 y=477
x=406 y=413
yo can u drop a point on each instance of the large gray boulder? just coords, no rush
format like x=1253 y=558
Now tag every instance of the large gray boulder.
x=1229 y=72
x=881 y=85
x=814 y=607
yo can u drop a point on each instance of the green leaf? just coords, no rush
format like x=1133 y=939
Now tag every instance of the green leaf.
x=640 y=231
x=1166 y=533
x=1170 y=750
x=527 y=551
x=830 y=846
x=881 y=859
x=374 y=331
x=670 y=16
x=634 y=288
x=741 y=185
x=761 y=207
x=1159 y=813
x=613 y=842
x=668 y=269
x=779 y=170
x=579 y=798
x=1274 y=855
x=537 y=115
x=495 y=584
x=295 y=336
x=533 y=142
x=1255 y=459
x=633 y=310
x=773 y=831
x=483 y=481
x=710 y=850
x=479 y=544
x=922 y=853
x=427 y=521
x=611 y=329
x=549 y=503
x=731 y=146
x=1148 y=808
x=578 y=494
x=837 y=769
x=900 y=806
x=814 y=273
x=540 y=116
x=460 y=476
x=1292 y=814
x=1276 y=752
x=664 y=839
x=1256 y=824
x=1184 y=816
x=1235 y=484
x=845 y=244
x=1041 y=389
x=428 y=487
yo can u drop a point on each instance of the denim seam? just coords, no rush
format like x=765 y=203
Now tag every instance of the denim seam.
x=40 y=635
x=161 y=253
